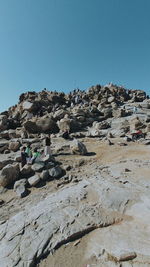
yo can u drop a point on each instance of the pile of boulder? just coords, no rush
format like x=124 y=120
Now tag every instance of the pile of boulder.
x=46 y=169
x=51 y=112
x=101 y=111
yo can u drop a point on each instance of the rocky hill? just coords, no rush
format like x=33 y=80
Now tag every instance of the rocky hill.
x=86 y=204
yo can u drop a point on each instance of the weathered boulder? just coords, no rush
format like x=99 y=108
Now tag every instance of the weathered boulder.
x=111 y=99
x=56 y=172
x=78 y=147
x=47 y=158
x=9 y=174
x=29 y=106
x=120 y=124
x=136 y=124
x=44 y=175
x=101 y=125
x=97 y=127
x=34 y=180
x=30 y=126
x=59 y=114
x=37 y=167
x=26 y=171
x=41 y=125
x=107 y=112
x=20 y=188
x=4 y=134
x=46 y=125
x=14 y=146
x=64 y=124
x=117 y=113
x=12 y=133
x=5 y=160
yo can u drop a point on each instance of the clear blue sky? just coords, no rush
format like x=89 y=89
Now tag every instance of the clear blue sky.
x=64 y=44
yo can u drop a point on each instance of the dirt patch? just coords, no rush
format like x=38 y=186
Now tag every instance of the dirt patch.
x=70 y=255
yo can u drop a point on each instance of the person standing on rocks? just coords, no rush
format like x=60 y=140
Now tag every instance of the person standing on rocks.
x=23 y=157
x=47 y=150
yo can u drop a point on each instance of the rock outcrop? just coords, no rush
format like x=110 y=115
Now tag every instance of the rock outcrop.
x=72 y=192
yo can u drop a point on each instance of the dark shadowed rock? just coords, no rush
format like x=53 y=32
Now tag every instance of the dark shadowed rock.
x=56 y=172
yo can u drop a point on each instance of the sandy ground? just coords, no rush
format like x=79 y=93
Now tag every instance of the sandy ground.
x=71 y=255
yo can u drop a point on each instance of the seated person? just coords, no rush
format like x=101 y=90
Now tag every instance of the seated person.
x=36 y=154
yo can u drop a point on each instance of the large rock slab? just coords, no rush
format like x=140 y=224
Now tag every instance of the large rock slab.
x=39 y=229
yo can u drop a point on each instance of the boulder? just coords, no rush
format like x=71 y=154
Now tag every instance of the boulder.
x=30 y=126
x=136 y=124
x=107 y=112
x=4 y=134
x=44 y=175
x=95 y=130
x=59 y=114
x=64 y=124
x=47 y=158
x=29 y=106
x=120 y=124
x=12 y=133
x=34 y=180
x=47 y=125
x=56 y=172
x=14 y=146
x=111 y=99
x=101 y=125
x=5 y=160
x=9 y=174
x=26 y=171
x=37 y=167
x=117 y=113
x=78 y=147
x=20 y=188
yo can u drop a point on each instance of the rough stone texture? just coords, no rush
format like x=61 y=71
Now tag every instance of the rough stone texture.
x=24 y=239
x=56 y=172
x=14 y=146
x=78 y=147
x=34 y=180
x=28 y=106
x=26 y=171
x=20 y=187
x=38 y=167
x=47 y=125
x=64 y=124
x=44 y=175
x=9 y=174
x=94 y=195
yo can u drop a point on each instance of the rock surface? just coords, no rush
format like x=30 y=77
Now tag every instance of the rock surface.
x=71 y=195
